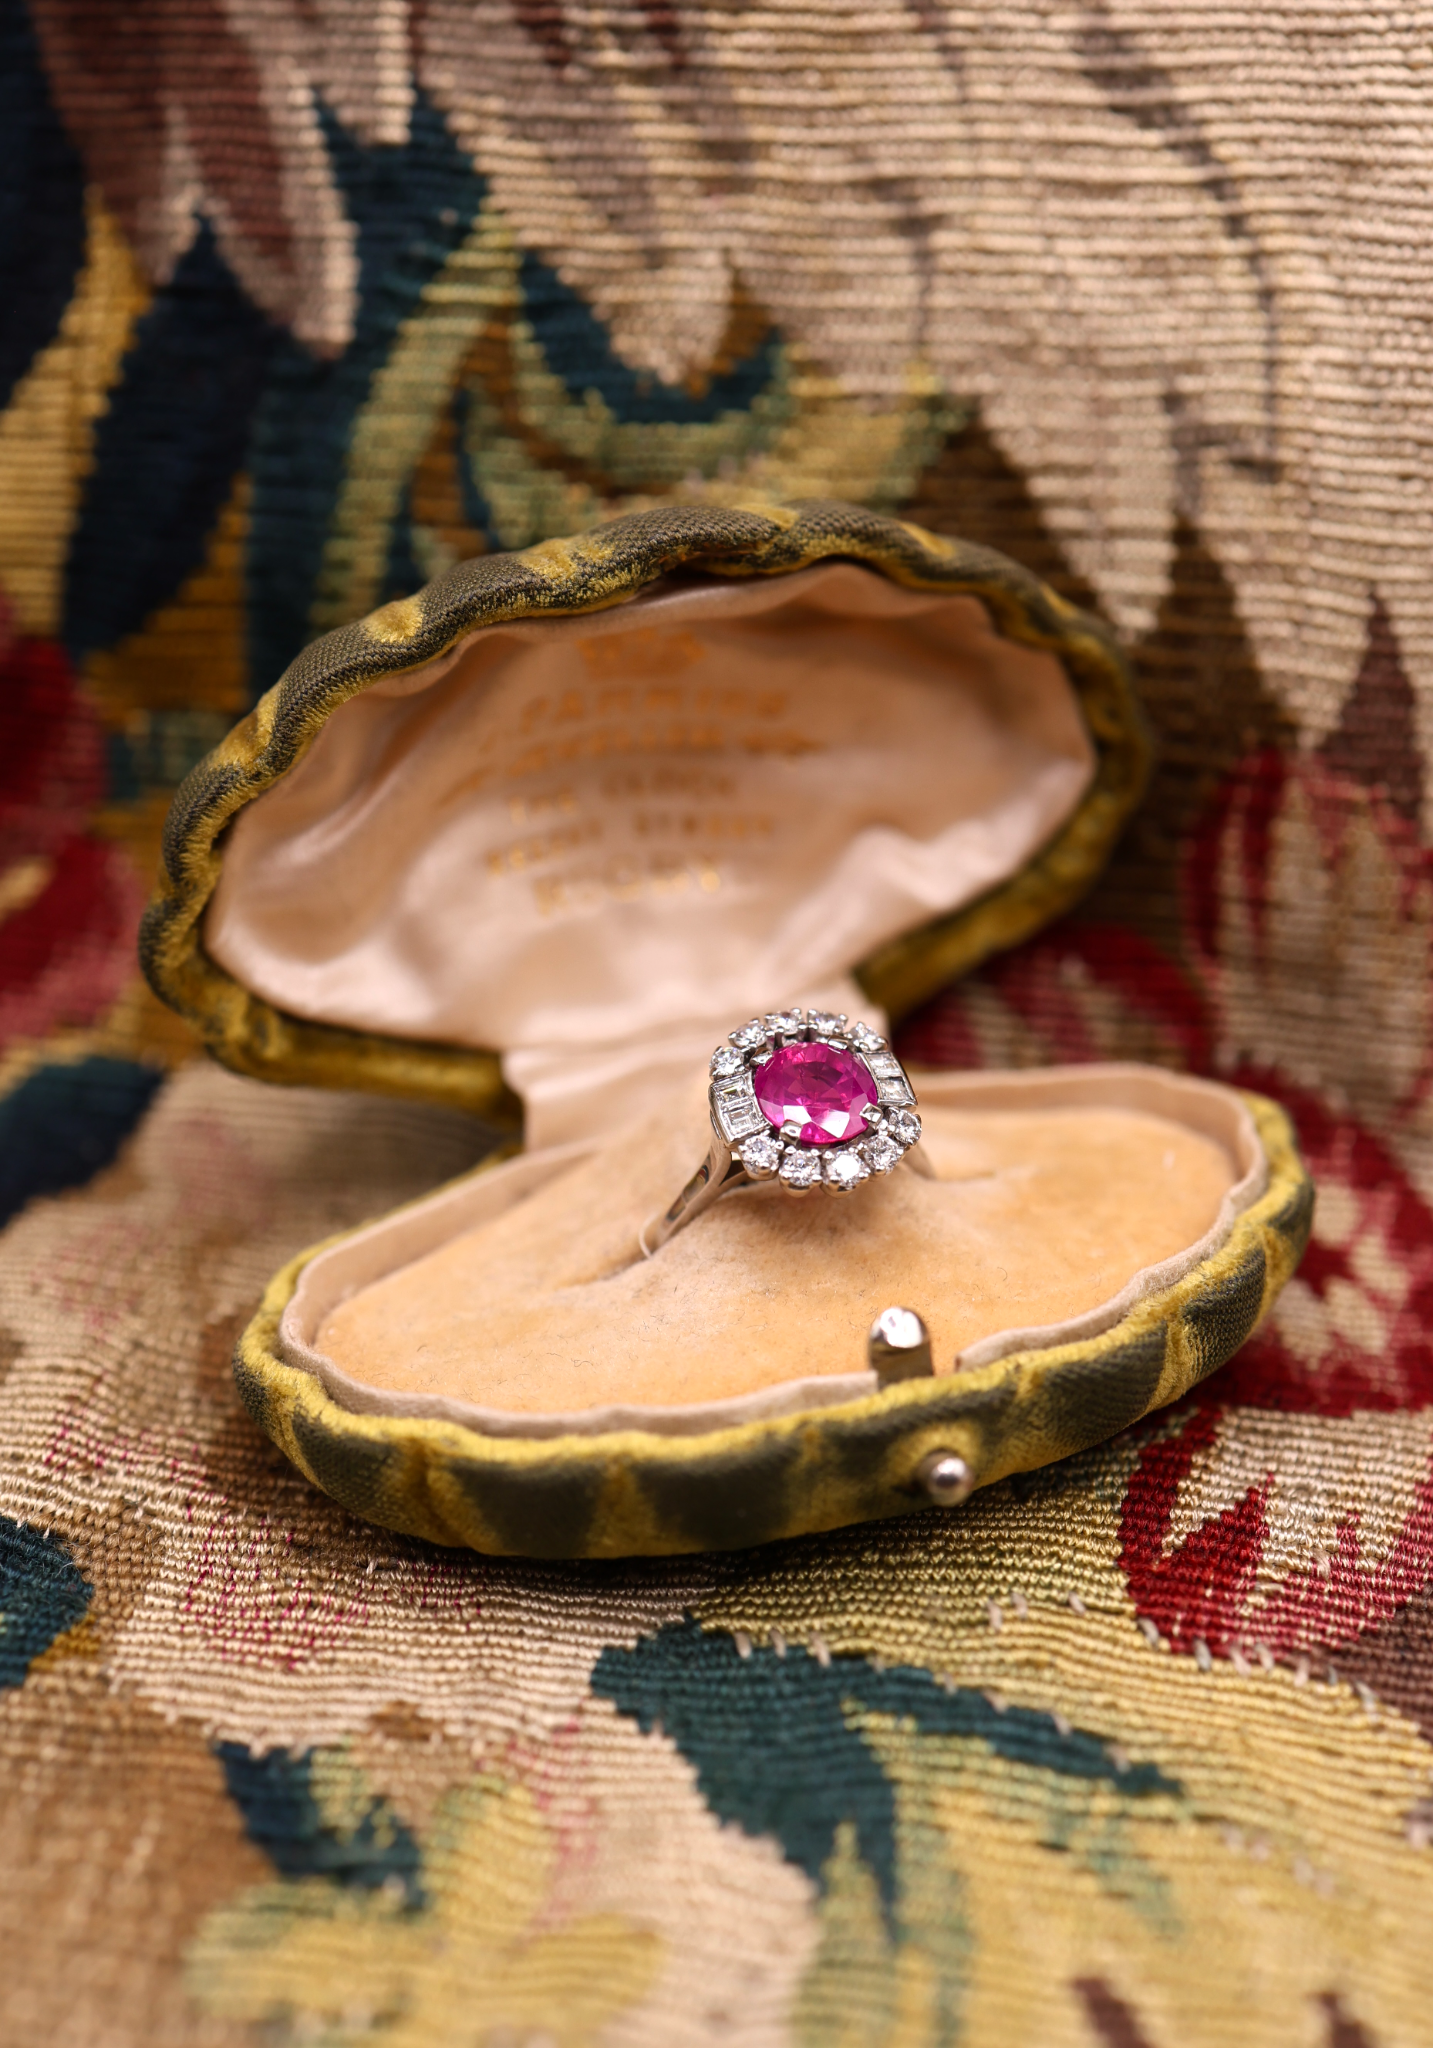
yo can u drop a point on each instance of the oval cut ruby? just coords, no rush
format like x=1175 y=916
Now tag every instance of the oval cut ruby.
x=818 y=1087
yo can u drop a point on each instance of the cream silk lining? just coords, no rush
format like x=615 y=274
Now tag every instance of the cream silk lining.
x=597 y=843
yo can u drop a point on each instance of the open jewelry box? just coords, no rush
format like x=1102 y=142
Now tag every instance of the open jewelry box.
x=532 y=843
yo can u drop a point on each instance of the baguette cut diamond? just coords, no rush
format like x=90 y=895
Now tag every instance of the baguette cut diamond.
x=818 y=1087
x=736 y=1108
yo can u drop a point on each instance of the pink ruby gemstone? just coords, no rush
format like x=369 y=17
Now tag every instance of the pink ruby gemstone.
x=818 y=1087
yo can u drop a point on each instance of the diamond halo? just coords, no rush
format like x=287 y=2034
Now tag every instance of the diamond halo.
x=804 y=1098
x=813 y=1101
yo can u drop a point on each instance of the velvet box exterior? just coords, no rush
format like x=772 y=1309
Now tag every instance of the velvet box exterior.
x=625 y=1490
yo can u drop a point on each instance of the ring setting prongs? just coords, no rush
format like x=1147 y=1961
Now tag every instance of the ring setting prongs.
x=811 y=1100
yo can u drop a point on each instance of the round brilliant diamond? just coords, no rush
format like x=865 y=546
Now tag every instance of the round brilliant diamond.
x=904 y=1126
x=845 y=1170
x=880 y=1152
x=761 y=1157
x=800 y=1170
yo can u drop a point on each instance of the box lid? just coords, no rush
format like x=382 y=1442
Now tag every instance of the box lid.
x=549 y=826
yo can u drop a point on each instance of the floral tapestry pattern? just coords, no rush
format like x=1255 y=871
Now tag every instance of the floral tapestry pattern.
x=307 y=300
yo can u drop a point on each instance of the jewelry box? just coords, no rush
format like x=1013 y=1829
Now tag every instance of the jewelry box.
x=534 y=842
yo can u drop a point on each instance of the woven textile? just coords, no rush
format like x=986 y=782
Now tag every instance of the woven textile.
x=304 y=300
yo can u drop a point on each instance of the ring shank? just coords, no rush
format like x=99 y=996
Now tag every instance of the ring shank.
x=718 y=1173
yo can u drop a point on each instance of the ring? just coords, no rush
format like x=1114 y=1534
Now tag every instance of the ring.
x=803 y=1098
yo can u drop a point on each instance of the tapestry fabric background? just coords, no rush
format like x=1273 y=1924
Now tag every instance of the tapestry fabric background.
x=300 y=302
